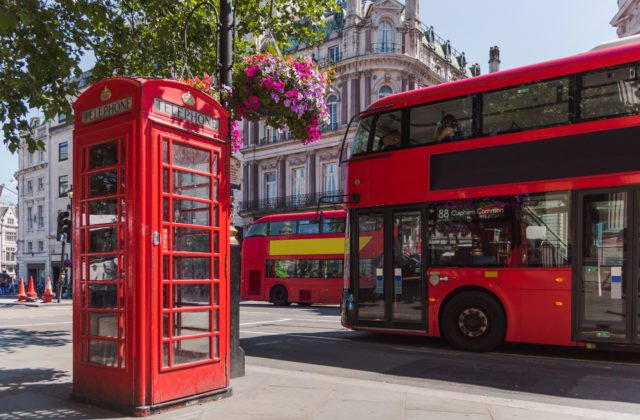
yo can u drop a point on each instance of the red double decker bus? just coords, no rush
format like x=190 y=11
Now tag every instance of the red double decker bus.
x=296 y=257
x=508 y=204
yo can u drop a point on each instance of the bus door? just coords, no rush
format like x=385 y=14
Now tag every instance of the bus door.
x=389 y=280
x=606 y=270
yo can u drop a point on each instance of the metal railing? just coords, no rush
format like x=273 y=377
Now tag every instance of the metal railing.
x=385 y=48
x=289 y=202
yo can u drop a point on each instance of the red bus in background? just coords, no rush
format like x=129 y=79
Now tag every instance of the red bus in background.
x=294 y=258
x=508 y=206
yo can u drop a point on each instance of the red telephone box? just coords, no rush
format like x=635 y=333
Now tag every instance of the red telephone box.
x=151 y=244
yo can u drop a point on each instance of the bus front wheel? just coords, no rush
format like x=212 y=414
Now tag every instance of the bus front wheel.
x=474 y=321
x=279 y=296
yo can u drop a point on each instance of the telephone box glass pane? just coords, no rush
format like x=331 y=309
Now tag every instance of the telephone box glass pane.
x=191 y=350
x=191 y=212
x=165 y=180
x=103 y=352
x=103 y=211
x=186 y=295
x=191 y=158
x=216 y=158
x=191 y=185
x=103 y=324
x=165 y=151
x=103 y=183
x=102 y=155
x=103 y=268
x=191 y=323
x=191 y=240
x=190 y=268
x=103 y=239
x=103 y=296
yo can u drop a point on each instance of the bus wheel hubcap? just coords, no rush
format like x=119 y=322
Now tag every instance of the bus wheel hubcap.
x=473 y=322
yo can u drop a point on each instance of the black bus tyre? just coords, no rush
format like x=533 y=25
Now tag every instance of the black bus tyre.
x=279 y=296
x=474 y=321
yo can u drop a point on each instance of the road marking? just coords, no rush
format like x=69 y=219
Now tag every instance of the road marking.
x=266 y=322
x=295 y=335
x=35 y=325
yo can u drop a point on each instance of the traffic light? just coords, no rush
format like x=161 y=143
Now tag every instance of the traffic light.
x=64 y=226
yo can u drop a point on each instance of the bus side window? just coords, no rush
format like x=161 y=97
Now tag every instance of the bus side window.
x=333 y=225
x=257 y=229
x=286 y=227
x=425 y=122
x=307 y=227
x=387 y=134
x=361 y=139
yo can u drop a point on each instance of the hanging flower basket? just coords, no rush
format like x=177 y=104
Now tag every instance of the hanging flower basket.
x=286 y=92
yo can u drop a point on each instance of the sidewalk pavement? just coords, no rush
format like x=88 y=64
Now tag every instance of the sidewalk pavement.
x=276 y=393
x=13 y=300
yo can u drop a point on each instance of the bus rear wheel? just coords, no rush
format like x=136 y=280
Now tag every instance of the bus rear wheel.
x=474 y=321
x=279 y=296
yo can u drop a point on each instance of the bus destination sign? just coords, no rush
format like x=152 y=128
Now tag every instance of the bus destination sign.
x=186 y=114
x=107 y=110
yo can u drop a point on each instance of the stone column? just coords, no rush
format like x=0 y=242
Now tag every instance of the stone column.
x=344 y=118
x=311 y=157
x=367 y=88
x=355 y=96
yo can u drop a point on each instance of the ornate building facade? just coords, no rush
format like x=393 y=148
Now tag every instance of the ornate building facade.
x=627 y=20
x=376 y=48
x=8 y=241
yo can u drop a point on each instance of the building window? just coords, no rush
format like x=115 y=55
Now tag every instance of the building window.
x=270 y=187
x=41 y=156
x=29 y=217
x=63 y=151
x=63 y=185
x=29 y=186
x=30 y=158
x=41 y=183
x=386 y=37
x=62 y=118
x=332 y=109
x=10 y=221
x=40 y=246
x=11 y=236
x=29 y=247
x=40 y=216
x=384 y=91
x=299 y=182
x=334 y=54
x=330 y=177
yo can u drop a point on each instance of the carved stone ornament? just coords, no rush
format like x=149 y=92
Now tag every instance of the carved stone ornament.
x=328 y=156
x=188 y=99
x=105 y=95
x=270 y=165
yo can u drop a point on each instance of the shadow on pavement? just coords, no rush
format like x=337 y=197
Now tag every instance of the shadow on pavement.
x=42 y=394
x=14 y=339
x=322 y=310
x=561 y=372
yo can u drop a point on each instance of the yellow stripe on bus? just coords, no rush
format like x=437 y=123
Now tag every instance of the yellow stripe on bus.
x=311 y=246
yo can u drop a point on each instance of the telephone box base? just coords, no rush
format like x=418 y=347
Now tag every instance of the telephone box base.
x=143 y=411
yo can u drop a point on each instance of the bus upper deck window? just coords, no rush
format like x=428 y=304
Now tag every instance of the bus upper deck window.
x=361 y=139
x=258 y=229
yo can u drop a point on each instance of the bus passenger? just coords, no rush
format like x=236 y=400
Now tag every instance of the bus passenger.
x=447 y=129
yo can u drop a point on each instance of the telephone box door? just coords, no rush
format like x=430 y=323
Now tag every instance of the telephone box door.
x=190 y=245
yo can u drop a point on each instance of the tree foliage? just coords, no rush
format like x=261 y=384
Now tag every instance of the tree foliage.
x=43 y=42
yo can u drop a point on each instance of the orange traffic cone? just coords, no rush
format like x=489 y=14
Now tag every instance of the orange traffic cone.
x=22 y=295
x=48 y=292
x=32 y=296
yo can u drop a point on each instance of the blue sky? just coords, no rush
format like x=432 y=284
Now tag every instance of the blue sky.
x=527 y=32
